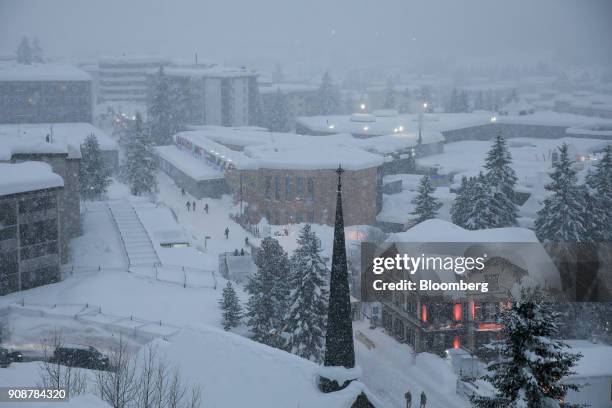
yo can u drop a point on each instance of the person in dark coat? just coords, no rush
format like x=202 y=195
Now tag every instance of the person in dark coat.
x=423 y=399
x=193 y=206
x=182 y=191
x=188 y=206
x=226 y=232
x=408 y=397
x=206 y=208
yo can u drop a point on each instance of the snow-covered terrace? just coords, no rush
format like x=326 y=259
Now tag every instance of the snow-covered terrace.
x=42 y=72
x=66 y=136
x=27 y=176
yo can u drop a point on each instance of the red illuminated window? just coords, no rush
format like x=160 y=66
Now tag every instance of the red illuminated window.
x=457 y=312
x=456 y=342
x=424 y=313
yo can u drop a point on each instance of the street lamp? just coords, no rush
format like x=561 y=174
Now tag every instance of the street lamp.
x=362 y=106
x=493 y=119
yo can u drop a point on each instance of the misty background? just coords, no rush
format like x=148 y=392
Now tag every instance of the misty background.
x=318 y=34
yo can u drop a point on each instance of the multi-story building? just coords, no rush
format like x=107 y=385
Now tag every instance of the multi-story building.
x=65 y=162
x=436 y=320
x=124 y=79
x=31 y=234
x=212 y=95
x=44 y=93
x=284 y=177
x=301 y=98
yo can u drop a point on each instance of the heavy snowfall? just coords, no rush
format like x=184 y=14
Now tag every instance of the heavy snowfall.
x=192 y=195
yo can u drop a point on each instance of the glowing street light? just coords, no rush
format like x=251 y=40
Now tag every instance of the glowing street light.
x=493 y=119
x=365 y=128
x=424 y=105
x=362 y=106
x=401 y=128
x=331 y=126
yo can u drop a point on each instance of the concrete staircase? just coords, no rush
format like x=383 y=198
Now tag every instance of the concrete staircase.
x=138 y=245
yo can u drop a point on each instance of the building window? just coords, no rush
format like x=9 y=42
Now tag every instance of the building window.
x=268 y=187
x=299 y=187
x=277 y=188
x=310 y=189
x=287 y=188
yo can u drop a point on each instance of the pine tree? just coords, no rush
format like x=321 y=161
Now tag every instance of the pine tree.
x=141 y=163
x=463 y=102
x=268 y=290
x=479 y=215
x=94 y=173
x=426 y=205
x=463 y=202
x=389 y=97
x=24 y=51
x=532 y=361
x=453 y=104
x=328 y=96
x=277 y=115
x=600 y=181
x=308 y=301
x=563 y=216
x=161 y=117
x=230 y=305
x=501 y=179
x=37 y=51
x=479 y=103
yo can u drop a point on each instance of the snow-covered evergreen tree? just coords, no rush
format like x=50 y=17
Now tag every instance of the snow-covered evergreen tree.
x=563 y=216
x=600 y=181
x=463 y=103
x=37 y=51
x=479 y=103
x=277 y=117
x=452 y=106
x=426 y=205
x=479 y=214
x=308 y=302
x=389 y=101
x=532 y=362
x=141 y=164
x=502 y=179
x=24 y=51
x=328 y=96
x=94 y=173
x=230 y=305
x=161 y=116
x=268 y=290
x=463 y=201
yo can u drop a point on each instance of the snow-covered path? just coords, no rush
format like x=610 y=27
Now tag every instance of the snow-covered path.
x=136 y=241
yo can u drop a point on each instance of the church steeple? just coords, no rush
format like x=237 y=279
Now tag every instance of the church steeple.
x=339 y=348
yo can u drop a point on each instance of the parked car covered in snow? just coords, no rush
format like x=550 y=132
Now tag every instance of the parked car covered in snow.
x=76 y=355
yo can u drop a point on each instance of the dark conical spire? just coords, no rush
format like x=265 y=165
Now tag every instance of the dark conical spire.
x=339 y=349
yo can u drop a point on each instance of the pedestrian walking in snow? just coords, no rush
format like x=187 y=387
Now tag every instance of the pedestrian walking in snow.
x=423 y=399
x=206 y=208
x=241 y=251
x=193 y=206
x=188 y=206
x=408 y=397
x=246 y=241
x=182 y=191
x=226 y=232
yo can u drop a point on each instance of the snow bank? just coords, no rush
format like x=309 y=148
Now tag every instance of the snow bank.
x=237 y=372
x=27 y=176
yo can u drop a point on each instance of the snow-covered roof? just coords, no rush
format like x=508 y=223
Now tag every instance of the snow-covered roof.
x=396 y=142
x=595 y=361
x=209 y=72
x=42 y=72
x=287 y=88
x=438 y=122
x=283 y=150
x=518 y=245
x=11 y=145
x=187 y=163
x=27 y=176
x=135 y=59
x=69 y=135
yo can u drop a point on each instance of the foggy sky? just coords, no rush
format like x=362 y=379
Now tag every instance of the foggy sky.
x=323 y=32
